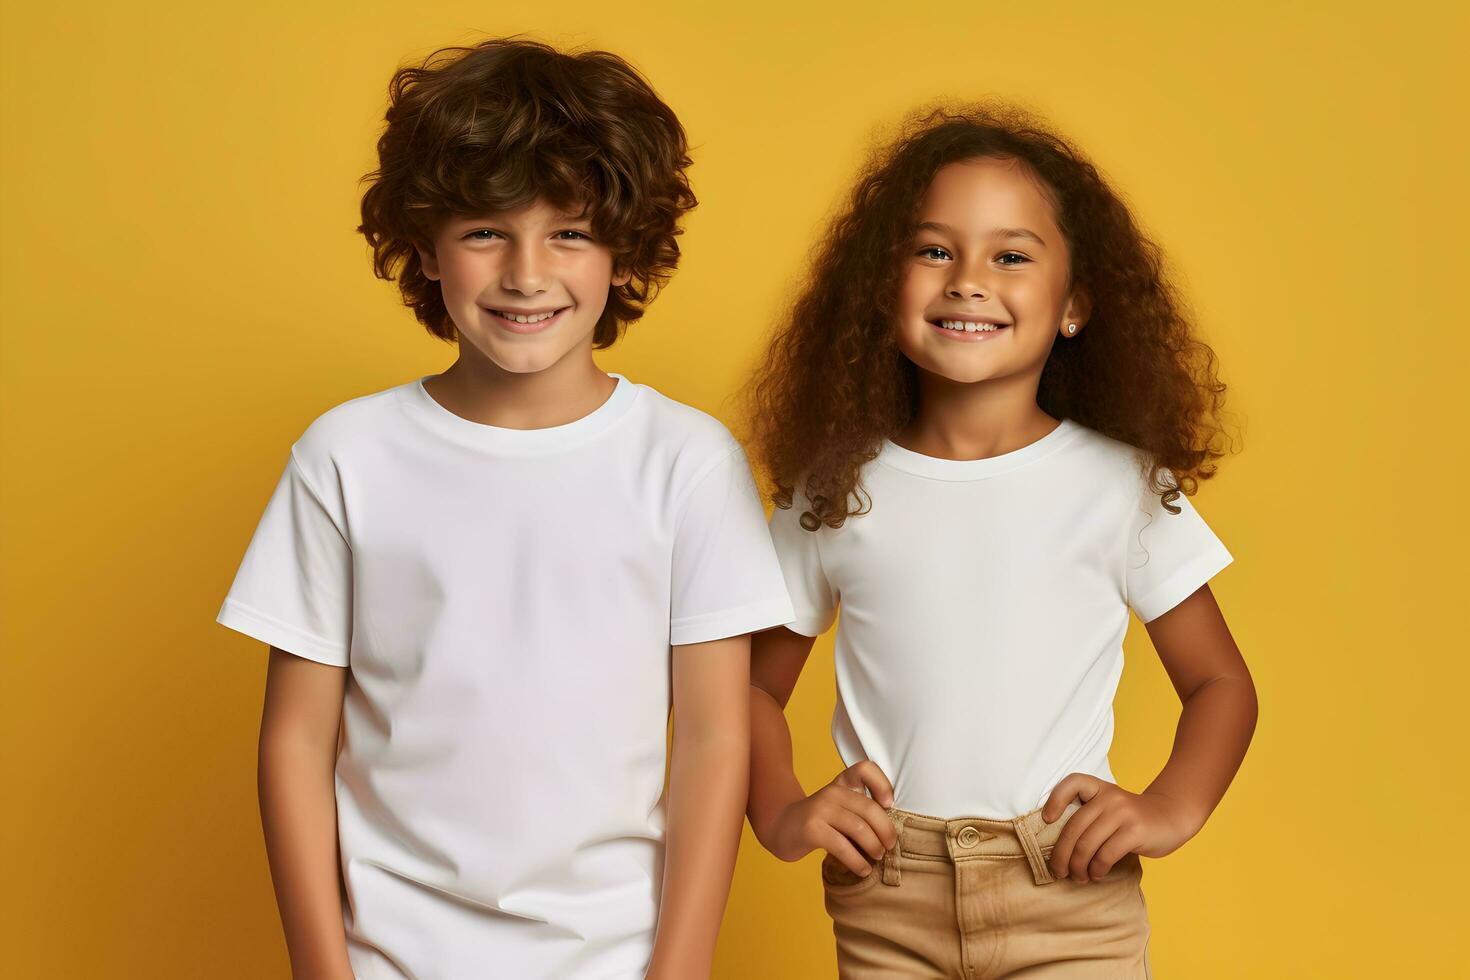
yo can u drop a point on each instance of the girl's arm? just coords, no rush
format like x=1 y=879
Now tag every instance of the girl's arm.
x=707 y=782
x=1215 y=727
x=840 y=817
x=298 y=809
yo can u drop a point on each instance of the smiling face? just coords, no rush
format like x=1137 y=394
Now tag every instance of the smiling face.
x=986 y=288
x=525 y=287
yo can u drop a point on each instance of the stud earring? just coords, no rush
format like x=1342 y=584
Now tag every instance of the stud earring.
x=1071 y=329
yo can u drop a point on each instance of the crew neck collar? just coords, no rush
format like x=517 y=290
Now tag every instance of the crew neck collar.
x=935 y=468
x=517 y=442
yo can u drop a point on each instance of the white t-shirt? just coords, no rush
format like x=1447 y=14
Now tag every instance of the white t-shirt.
x=984 y=604
x=505 y=601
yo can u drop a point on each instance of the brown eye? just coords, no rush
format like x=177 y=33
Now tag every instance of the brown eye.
x=1011 y=258
x=933 y=252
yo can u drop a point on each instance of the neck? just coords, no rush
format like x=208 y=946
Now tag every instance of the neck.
x=476 y=388
x=975 y=420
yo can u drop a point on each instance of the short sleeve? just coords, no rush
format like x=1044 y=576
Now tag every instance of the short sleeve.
x=726 y=581
x=812 y=597
x=294 y=586
x=1169 y=556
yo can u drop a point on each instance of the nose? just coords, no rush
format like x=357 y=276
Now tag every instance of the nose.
x=965 y=283
x=525 y=270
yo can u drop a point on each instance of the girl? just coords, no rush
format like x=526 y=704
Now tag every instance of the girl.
x=983 y=419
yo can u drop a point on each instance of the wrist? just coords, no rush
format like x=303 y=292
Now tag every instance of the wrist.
x=1186 y=816
x=765 y=810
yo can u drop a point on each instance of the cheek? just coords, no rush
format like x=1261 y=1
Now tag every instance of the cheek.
x=590 y=276
x=1039 y=297
x=914 y=293
x=463 y=274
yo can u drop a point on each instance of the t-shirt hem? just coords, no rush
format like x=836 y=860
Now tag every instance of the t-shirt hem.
x=731 y=622
x=272 y=632
x=1181 y=585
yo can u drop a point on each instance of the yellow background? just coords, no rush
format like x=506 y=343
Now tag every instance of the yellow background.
x=183 y=292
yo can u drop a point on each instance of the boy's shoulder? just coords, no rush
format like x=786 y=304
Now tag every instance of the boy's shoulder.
x=352 y=423
x=684 y=430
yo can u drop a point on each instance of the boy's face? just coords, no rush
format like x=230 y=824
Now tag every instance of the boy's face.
x=985 y=290
x=524 y=287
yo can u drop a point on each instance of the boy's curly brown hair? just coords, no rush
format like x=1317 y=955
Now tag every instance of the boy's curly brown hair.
x=507 y=121
x=833 y=384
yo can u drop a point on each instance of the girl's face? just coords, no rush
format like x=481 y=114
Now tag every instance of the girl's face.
x=524 y=287
x=985 y=290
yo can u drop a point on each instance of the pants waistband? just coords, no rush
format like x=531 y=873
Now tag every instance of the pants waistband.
x=974 y=838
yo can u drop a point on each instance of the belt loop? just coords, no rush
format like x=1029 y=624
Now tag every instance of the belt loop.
x=890 y=857
x=1040 y=870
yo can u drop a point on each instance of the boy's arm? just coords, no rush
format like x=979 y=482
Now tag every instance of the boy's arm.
x=707 y=783
x=298 y=810
x=840 y=817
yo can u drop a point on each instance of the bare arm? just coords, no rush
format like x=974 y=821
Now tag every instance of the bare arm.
x=298 y=810
x=1215 y=728
x=839 y=817
x=776 y=659
x=707 y=783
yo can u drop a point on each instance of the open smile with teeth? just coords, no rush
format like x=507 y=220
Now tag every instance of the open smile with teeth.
x=525 y=317
x=969 y=326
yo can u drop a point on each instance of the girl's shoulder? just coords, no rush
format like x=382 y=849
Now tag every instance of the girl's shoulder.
x=1105 y=465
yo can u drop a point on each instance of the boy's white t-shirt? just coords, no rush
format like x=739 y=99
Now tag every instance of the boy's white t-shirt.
x=505 y=601
x=983 y=608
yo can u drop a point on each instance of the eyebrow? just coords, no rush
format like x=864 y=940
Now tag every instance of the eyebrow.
x=999 y=232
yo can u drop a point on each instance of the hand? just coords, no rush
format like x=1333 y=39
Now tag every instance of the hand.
x=1111 y=824
x=841 y=819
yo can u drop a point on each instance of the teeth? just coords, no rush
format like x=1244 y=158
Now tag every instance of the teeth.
x=968 y=326
x=533 y=318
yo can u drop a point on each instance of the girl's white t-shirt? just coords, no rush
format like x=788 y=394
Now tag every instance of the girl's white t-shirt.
x=505 y=601
x=983 y=608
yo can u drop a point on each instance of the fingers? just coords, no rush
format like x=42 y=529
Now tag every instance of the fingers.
x=872 y=815
x=1061 y=854
x=1098 y=831
x=1113 y=850
x=843 y=850
x=856 y=829
x=1077 y=786
x=867 y=776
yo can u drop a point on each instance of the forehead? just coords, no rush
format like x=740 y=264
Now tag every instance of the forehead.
x=984 y=193
x=535 y=212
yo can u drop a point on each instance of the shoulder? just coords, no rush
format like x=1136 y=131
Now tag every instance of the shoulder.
x=1110 y=468
x=685 y=433
x=1104 y=456
x=344 y=428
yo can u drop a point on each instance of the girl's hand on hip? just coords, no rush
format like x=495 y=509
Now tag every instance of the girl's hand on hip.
x=841 y=819
x=1111 y=824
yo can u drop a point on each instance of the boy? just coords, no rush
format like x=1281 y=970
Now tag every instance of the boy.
x=481 y=574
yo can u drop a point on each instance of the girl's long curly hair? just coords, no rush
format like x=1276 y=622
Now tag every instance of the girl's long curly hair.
x=833 y=384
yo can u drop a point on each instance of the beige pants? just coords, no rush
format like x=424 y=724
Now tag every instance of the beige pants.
x=974 y=899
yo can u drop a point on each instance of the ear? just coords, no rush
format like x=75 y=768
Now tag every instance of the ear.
x=1074 y=318
x=621 y=276
x=428 y=262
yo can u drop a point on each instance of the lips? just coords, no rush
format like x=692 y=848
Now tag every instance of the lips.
x=525 y=321
x=519 y=317
x=969 y=326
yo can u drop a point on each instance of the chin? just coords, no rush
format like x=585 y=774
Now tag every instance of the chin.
x=967 y=376
x=525 y=363
x=962 y=370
